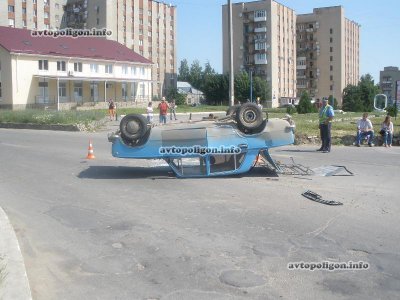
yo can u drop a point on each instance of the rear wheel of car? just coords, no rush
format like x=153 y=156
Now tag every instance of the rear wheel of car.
x=249 y=116
x=133 y=127
x=233 y=110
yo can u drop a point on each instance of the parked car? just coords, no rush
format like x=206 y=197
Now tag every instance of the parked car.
x=216 y=147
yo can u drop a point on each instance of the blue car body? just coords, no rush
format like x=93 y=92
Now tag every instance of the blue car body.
x=207 y=148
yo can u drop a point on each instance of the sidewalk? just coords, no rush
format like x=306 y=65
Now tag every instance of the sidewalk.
x=14 y=284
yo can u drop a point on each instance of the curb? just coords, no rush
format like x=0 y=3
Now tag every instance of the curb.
x=14 y=282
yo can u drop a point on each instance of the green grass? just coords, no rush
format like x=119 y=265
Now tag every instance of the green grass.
x=51 y=117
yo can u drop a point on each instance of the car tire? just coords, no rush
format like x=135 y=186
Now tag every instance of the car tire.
x=133 y=127
x=231 y=111
x=249 y=116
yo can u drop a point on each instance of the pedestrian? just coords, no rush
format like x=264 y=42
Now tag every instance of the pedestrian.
x=326 y=115
x=259 y=104
x=111 y=109
x=365 y=130
x=172 y=109
x=163 y=108
x=387 y=131
x=149 y=111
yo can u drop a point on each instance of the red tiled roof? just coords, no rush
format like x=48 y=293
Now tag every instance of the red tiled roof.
x=20 y=41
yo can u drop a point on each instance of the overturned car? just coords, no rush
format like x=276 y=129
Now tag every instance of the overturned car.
x=211 y=147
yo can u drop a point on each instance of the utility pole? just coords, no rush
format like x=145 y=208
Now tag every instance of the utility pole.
x=251 y=84
x=231 y=72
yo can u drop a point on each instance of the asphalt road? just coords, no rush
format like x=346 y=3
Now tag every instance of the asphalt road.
x=122 y=229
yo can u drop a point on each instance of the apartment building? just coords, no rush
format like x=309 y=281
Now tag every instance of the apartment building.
x=328 y=46
x=264 y=43
x=37 y=72
x=389 y=81
x=145 y=26
x=32 y=14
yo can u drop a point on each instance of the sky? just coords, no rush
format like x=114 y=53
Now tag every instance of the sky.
x=199 y=30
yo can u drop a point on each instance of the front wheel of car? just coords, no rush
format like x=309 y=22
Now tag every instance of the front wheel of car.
x=133 y=127
x=249 y=116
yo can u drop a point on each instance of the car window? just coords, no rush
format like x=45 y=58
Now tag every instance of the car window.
x=224 y=163
x=190 y=166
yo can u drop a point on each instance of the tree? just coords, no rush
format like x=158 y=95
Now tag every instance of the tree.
x=216 y=89
x=184 y=73
x=260 y=89
x=352 y=99
x=173 y=94
x=368 y=90
x=242 y=87
x=333 y=102
x=196 y=74
x=305 y=106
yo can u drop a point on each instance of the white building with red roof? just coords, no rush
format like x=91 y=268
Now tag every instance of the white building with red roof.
x=68 y=72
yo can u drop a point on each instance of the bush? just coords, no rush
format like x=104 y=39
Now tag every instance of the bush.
x=305 y=106
x=392 y=110
x=291 y=109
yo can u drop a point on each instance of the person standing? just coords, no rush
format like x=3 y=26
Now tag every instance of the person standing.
x=365 y=129
x=387 y=132
x=111 y=109
x=163 y=108
x=149 y=111
x=326 y=115
x=172 y=110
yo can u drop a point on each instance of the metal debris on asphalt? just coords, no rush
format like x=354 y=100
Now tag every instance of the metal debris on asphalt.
x=318 y=198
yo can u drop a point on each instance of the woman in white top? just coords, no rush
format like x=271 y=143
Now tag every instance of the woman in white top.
x=150 y=112
x=387 y=132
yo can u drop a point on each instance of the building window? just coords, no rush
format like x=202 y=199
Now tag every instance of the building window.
x=97 y=21
x=24 y=10
x=331 y=49
x=78 y=67
x=11 y=8
x=140 y=42
x=331 y=31
x=94 y=68
x=78 y=91
x=34 y=12
x=24 y=23
x=61 y=66
x=46 y=15
x=331 y=40
x=46 y=2
x=124 y=90
x=0 y=90
x=331 y=77
x=11 y=22
x=331 y=58
x=109 y=69
x=260 y=13
x=331 y=68
x=62 y=89
x=331 y=87
x=34 y=1
x=57 y=6
x=43 y=65
x=125 y=70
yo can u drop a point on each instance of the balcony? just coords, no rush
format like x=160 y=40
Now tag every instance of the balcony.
x=260 y=19
x=260 y=29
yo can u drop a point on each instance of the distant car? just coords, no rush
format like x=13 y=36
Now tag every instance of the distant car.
x=225 y=146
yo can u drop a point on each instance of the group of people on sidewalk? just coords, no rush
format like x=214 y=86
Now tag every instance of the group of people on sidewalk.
x=365 y=129
x=163 y=108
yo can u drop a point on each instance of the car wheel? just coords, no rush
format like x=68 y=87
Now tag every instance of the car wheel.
x=233 y=110
x=249 y=116
x=133 y=127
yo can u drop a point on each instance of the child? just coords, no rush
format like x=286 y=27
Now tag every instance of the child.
x=150 y=112
x=387 y=132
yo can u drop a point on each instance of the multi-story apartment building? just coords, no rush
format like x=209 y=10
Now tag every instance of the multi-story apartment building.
x=264 y=43
x=32 y=14
x=390 y=83
x=327 y=52
x=145 y=26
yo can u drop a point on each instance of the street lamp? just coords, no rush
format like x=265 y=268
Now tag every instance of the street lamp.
x=251 y=84
x=231 y=76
